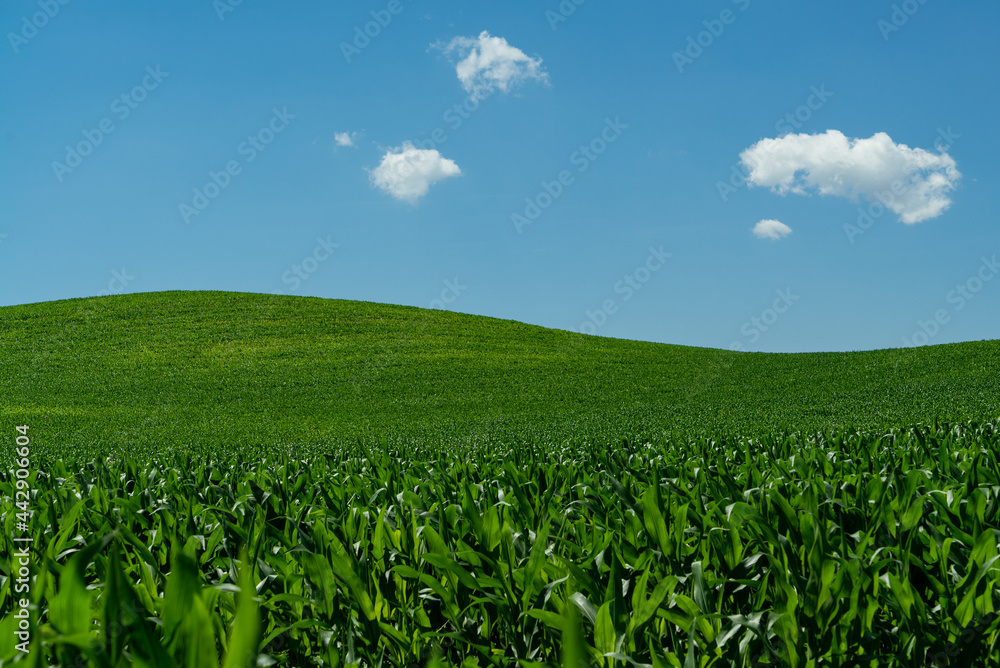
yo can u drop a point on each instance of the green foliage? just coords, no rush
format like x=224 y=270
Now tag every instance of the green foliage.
x=207 y=371
x=249 y=480
x=839 y=548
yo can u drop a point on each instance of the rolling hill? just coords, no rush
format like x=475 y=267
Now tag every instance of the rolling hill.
x=186 y=446
x=214 y=369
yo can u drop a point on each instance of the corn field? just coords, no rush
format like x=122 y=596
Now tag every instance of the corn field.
x=829 y=549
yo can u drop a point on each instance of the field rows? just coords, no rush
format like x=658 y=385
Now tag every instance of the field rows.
x=834 y=549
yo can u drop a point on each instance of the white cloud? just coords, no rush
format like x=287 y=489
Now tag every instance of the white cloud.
x=771 y=229
x=489 y=63
x=911 y=182
x=408 y=172
x=345 y=138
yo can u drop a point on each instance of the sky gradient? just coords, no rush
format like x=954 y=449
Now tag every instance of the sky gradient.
x=707 y=175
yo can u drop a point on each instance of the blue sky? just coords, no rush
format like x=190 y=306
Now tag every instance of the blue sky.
x=654 y=115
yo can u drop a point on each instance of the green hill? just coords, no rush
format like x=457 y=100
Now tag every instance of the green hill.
x=213 y=369
x=158 y=482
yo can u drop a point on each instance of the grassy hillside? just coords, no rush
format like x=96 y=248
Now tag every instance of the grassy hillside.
x=229 y=369
x=154 y=490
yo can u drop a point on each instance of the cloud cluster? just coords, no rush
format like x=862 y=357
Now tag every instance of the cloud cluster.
x=771 y=229
x=407 y=172
x=911 y=182
x=486 y=64
x=489 y=63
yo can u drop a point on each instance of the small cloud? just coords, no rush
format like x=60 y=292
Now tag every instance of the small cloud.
x=489 y=63
x=408 y=172
x=345 y=138
x=911 y=182
x=771 y=229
